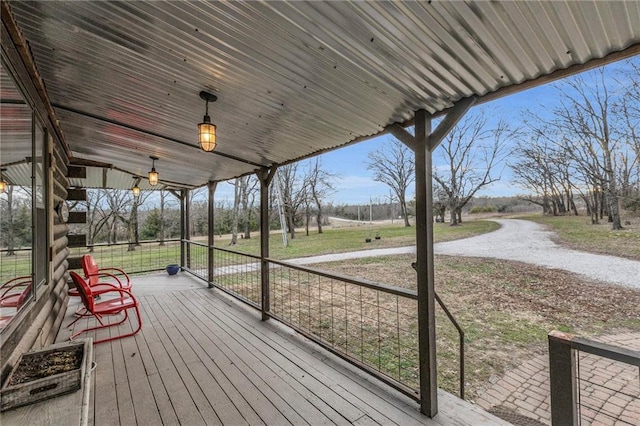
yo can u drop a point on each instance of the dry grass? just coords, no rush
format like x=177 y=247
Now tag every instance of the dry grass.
x=578 y=233
x=506 y=309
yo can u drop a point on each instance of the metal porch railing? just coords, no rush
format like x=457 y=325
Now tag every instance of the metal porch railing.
x=592 y=382
x=460 y=339
x=147 y=256
x=371 y=325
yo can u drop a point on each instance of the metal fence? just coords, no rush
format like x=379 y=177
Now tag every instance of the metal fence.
x=197 y=259
x=593 y=382
x=372 y=325
x=14 y=263
x=146 y=256
x=238 y=274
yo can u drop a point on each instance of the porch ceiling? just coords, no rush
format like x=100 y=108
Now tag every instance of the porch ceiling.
x=292 y=78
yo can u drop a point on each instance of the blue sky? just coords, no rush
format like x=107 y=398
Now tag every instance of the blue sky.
x=355 y=184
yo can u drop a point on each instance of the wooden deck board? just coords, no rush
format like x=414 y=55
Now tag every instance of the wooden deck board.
x=203 y=358
x=321 y=396
x=254 y=364
x=164 y=355
x=356 y=395
x=227 y=363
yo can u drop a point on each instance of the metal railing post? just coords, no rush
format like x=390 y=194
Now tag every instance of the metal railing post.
x=425 y=267
x=210 y=233
x=265 y=176
x=562 y=375
x=187 y=226
x=183 y=245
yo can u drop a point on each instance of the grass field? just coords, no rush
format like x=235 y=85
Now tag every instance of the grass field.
x=577 y=232
x=341 y=240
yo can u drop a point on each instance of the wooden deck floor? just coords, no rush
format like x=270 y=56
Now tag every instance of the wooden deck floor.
x=203 y=358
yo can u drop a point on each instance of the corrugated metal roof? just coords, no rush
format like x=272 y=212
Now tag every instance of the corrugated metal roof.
x=292 y=78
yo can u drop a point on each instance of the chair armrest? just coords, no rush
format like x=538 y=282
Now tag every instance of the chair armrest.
x=116 y=290
x=24 y=279
x=106 y=274
x=120 y=271
x=13 y=286
x=107 y=290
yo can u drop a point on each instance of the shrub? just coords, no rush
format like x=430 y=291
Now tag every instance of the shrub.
x=482 y=209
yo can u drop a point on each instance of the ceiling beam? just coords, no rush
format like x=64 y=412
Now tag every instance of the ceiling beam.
x=148 y=132
x=450 y=120
x=75 y=161
x=403 y=136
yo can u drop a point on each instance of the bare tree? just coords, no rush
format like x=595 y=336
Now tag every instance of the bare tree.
x=545 y=171
x=320 y=185
x=629 y=107
x=588 y=130
x=294 y=192
x=235 y=212
x=470 y=152
x=248 y=191
x=164 y=203
x=9 y=222
x=97 y=215
x=395 y=167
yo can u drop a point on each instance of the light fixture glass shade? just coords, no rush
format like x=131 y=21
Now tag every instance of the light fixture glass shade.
x=153 y=177
x=3 y=186
x=135 y=190
x=207 y=135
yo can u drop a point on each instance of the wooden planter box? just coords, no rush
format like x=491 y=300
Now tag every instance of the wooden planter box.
x=17 y=395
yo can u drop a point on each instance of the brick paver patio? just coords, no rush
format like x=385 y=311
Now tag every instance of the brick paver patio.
x=609 y=390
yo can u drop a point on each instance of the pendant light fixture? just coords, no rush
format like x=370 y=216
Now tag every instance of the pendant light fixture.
x=136 y=188
x=3 y=184
x=207 y=130
x=153 y=175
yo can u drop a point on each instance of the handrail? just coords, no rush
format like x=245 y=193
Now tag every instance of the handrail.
x=127 y=243
x=460 y=335
x=253 y=256
x=195 y=243
x=398 y=291
x=616 y=353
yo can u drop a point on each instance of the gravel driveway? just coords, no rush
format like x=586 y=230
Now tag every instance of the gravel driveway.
x=529 y=242
x=520 y=240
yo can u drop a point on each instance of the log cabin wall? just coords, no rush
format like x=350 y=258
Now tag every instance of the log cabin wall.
x=38 y=323
x=39 y=326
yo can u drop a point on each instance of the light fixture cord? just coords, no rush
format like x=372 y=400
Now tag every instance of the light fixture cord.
x=206 y=108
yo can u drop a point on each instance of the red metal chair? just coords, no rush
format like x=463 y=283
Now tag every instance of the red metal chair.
x=94 y=274
x=14 y=292
x=14 y=300
x=110 y=306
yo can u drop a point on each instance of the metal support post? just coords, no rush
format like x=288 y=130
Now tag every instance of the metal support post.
x=265 y=176
x=562 y=375
x=183 y=251
x=425 y=267
x=210 y=228
x=187 y=225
